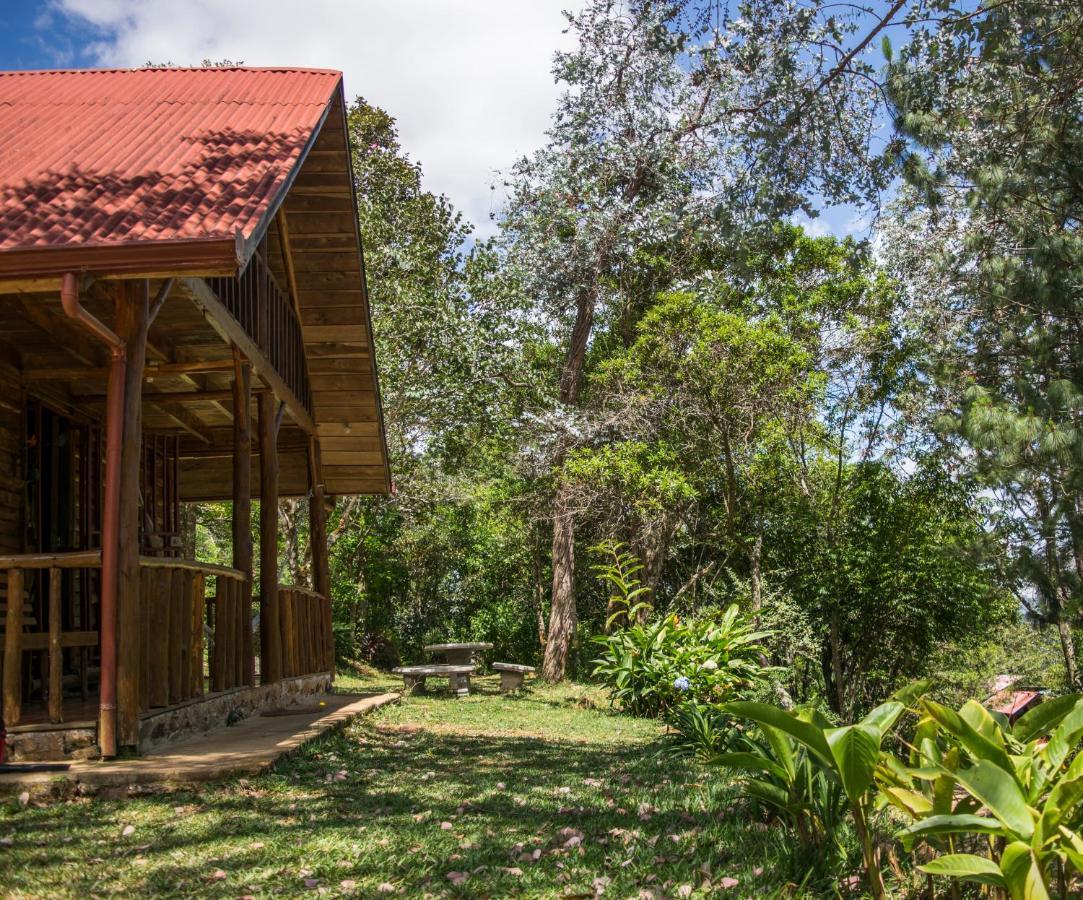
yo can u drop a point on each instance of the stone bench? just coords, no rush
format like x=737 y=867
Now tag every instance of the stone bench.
x=413 y=677
x=511 y=676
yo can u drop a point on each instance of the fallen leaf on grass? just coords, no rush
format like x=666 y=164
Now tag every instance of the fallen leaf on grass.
x=217 y=875
x=348 y=885
x=685 y=890
x=128 y=829
x=513 y=870
x=457 y=878
x=446 y=826
x=311 y=883
x=727 y=882
x=385 y=888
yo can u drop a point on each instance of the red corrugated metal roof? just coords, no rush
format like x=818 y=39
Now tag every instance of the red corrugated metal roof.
x=119 y=157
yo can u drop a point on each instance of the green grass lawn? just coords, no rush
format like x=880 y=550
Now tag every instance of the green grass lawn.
x=546 y=794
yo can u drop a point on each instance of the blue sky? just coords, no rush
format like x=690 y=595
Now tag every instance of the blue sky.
x=34 y=36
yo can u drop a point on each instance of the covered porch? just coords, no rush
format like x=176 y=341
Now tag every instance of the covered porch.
x=142 y=375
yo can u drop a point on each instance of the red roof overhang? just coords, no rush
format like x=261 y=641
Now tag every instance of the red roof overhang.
x=147 y=171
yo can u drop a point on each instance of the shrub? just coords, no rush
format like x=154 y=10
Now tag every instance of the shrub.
x=700 y=731
x=651 y=668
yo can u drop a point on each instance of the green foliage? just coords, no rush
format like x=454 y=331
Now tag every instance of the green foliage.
x=886 y=569
x=651 y=668
x=848 y=756
x=1019 y=787
x=700 y=731
x=781 y=775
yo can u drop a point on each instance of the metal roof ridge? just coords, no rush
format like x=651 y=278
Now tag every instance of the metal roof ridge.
x=121 y=70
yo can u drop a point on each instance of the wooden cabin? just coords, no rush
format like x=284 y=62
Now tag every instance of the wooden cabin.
x=183 y=317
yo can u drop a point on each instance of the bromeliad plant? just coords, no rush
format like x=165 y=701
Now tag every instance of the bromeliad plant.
x=1019 y=789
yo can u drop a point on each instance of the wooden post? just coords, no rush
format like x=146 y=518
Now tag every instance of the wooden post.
x=133 y=320
x=56 y=652
x=321 y=571
x=270 y=624
x=13 y=650
x=242 y=501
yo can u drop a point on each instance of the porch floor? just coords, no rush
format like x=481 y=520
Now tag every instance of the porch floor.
x=252 y=745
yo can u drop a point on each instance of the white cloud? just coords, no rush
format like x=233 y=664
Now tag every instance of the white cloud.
x=468 y=80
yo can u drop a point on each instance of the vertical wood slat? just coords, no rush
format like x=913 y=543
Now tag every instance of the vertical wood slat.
x=225 y=632
x=216 y=638
x=146 y=623
x=240 y=662
x=195 y=645
x=234 y=637
x=13 y=650
x=159 y=584
x=178 y=641
x=56 y=653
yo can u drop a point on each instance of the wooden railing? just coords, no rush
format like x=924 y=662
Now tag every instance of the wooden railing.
x=264 y=311
x=305 y=621
x=49 y=570
x=175 y=606
x=173 y=611
x=230 y=660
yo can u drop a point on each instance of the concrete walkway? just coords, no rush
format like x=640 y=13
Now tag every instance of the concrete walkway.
x=251 y=746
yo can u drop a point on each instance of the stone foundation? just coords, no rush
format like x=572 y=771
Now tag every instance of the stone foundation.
x=44 y=743
x=161 y=727
x=200 y=716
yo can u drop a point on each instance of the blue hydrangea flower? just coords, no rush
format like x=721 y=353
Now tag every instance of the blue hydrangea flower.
x=682 y=683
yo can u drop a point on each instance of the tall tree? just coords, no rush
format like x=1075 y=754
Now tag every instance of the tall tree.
x=987 y=240
x=679 y=124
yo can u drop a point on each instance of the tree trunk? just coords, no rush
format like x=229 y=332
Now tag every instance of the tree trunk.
x=539 y=596
x=562 y=617
x=755 y=557
x=1067 y=646
x=289 y=516
x=839 y=695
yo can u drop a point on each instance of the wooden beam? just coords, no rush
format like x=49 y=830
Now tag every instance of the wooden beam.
x=287 y=259
x=171 y=397
x=232 y=332
x=153 y=370
x=132 y=325
x=192 y=424
x=242 y=502
x=270 y=622
x=68 y=335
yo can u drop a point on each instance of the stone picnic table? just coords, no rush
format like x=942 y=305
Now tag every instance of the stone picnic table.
x=458 y=677
x=458 y=654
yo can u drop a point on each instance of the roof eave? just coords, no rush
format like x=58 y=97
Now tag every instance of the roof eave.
x=191 y=256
